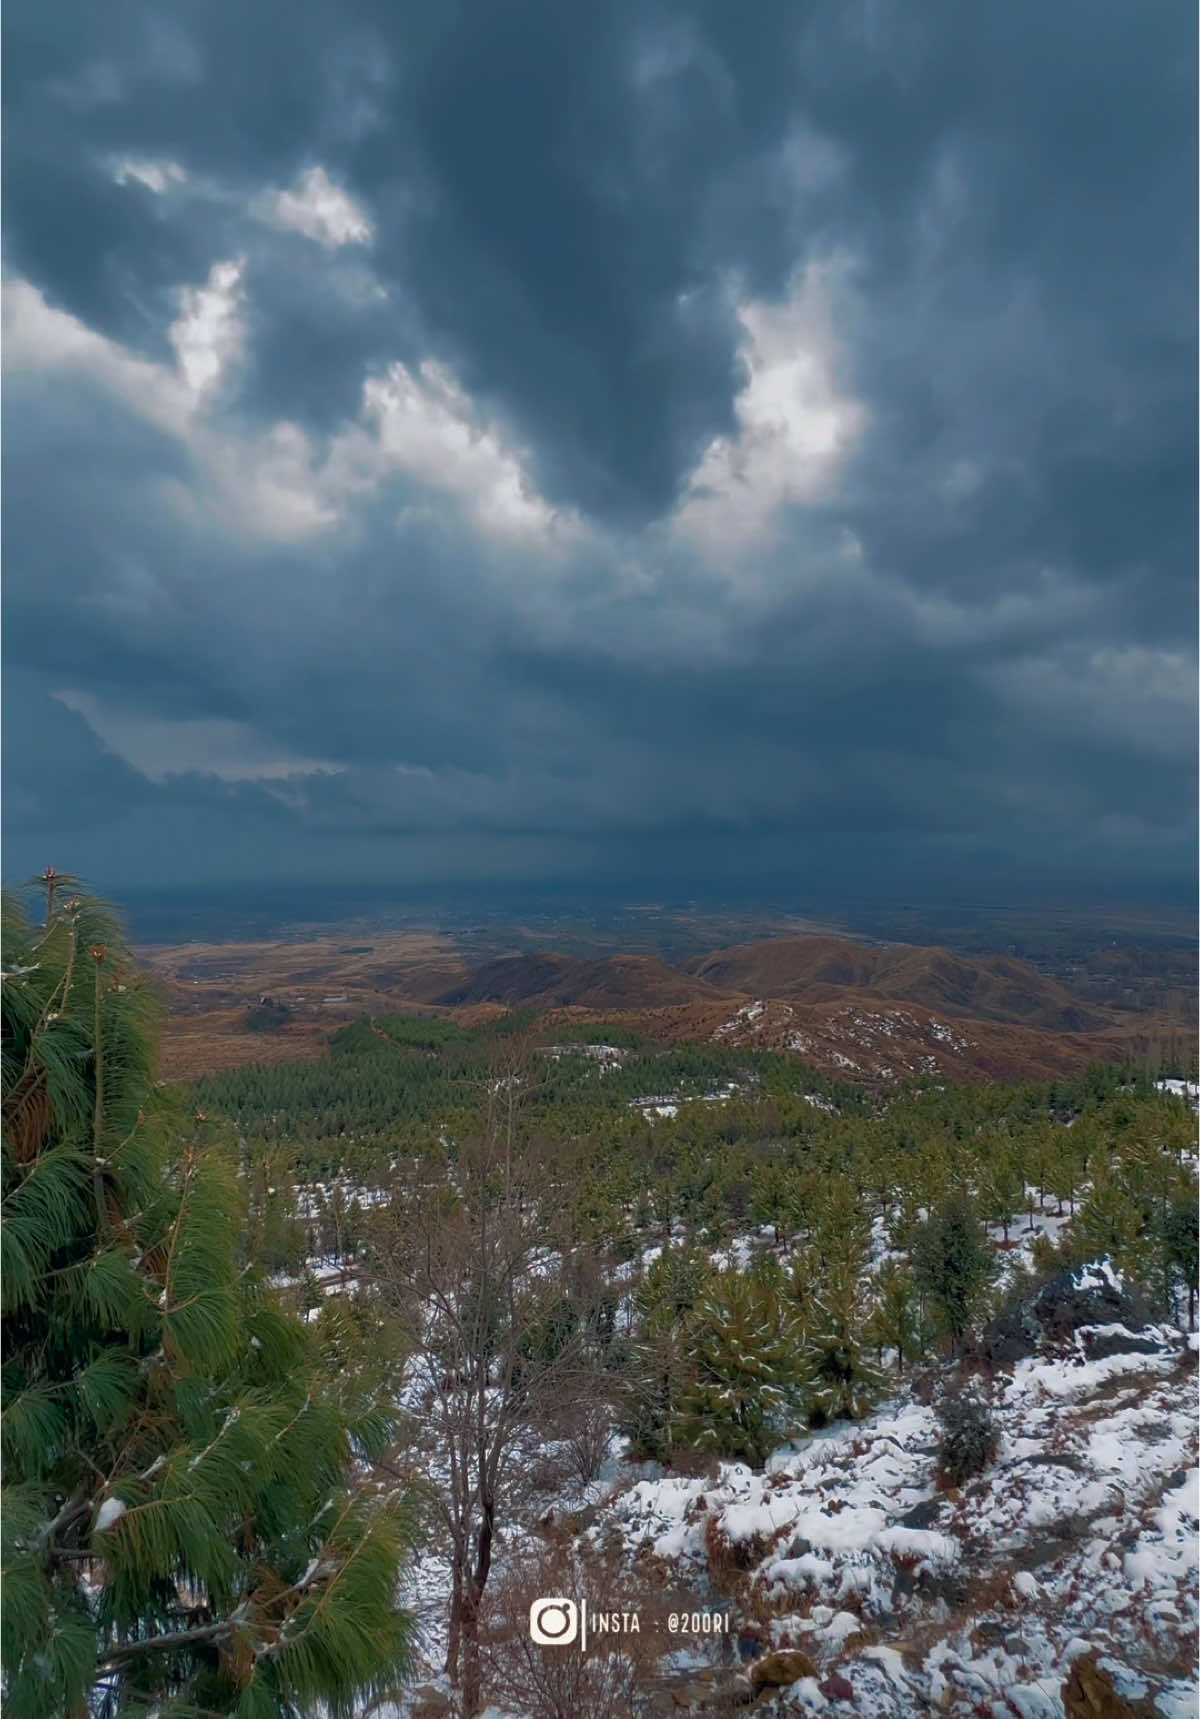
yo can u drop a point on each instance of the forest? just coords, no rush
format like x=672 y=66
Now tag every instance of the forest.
x=268 y=1334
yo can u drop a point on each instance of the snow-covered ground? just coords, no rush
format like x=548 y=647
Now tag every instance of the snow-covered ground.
x=1078 y=1543
x=1080 y=1539
x=1182 y=1089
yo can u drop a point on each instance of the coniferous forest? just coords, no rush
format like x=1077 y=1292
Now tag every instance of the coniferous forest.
x=278 y=1341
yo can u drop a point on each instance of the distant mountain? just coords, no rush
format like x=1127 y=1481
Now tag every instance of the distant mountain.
x=565 y=981
x=824 y=969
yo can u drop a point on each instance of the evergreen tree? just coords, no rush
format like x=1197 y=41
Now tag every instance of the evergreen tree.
x=1181 y=1246
x=1003 y=1187
x=842 y=1382
x=657 y=1375
x=1111 y=1224
x=894 y=1322
x=188 y=1526
x=842 y=1232
x=744 y=1363
x=953 y=1265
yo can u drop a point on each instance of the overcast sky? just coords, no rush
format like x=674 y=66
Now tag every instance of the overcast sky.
x=559 y=440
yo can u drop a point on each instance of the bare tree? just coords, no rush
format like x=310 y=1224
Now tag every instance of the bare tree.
x=476 y=1268
x=614 y=1678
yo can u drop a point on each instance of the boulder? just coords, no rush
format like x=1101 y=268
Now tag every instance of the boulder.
x=1092 y=1295
x=837 y=1688
x=1089 y=1296
x=922 y=1515
x=776 y=1670
x=1119 y=1340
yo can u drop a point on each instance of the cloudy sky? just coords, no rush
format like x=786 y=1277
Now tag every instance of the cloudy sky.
x=543 y=440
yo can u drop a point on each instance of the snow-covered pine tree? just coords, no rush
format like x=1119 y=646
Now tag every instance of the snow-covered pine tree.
x=189 y=1522
x=894 y=1321
x=743 y=1362
x=953 y=1265
x=657 y=1373
x=842 y=1380
x=842 y=1232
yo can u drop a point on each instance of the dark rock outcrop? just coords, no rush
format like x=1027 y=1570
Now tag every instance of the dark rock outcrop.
x=1111 y=1318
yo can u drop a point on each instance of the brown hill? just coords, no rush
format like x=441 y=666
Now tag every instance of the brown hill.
x=830 y=969
x=618 y=982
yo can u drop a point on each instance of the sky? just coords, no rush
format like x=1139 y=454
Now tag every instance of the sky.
x=558 y=443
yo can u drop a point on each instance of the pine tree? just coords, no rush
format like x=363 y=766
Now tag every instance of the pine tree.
x=894 y=1321
x=657 y=1375
x=842 y=1381
x=1002 y=1187
x=185 y=1526
x=744 y=1361
x=1111 y=1224
x=953 y=1265
x=842 y=1232
x=1181 y=1247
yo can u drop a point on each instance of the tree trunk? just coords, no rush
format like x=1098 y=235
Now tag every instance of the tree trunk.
x=472 y=1686
x=454 y=1633
x=472 y=1680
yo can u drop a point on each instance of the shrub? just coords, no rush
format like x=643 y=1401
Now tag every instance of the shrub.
x=970 y=1439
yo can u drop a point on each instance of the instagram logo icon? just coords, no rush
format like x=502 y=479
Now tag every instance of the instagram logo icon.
x=554 y=1622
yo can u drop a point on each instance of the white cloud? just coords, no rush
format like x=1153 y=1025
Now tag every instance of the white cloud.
x=262 y=487
x=161 y=747
x=318 y=209
x=156 y=176
x=271 y=486
x=41 y=340
x=422 y=423
x=208 y=335
x=795 y=425
x=266 y=487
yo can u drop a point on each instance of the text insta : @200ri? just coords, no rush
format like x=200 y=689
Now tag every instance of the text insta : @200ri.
x=556 y=1621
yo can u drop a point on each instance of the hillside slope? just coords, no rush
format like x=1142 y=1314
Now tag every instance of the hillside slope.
x=617 y=982
x=992 y=988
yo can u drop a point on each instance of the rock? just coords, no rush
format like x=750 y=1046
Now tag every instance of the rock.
x=1089 y=1296
x=947 y=1585
x=837 y=1688
x=1090 y=1692
x=1071 y=1301
x=1116 y=1340
x=922 y=1515
x=1010 y=1338
x=1056 y=1459
x=776 y=1670
x=430 y=1703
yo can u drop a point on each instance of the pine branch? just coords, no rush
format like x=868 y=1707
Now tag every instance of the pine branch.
x=179 y=1638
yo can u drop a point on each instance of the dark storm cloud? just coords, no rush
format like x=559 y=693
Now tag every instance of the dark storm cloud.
x=970 y=643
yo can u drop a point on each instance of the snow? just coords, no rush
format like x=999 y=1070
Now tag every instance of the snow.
x=1181 y=1089
x=109 y=1512
x=1083 y=1536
